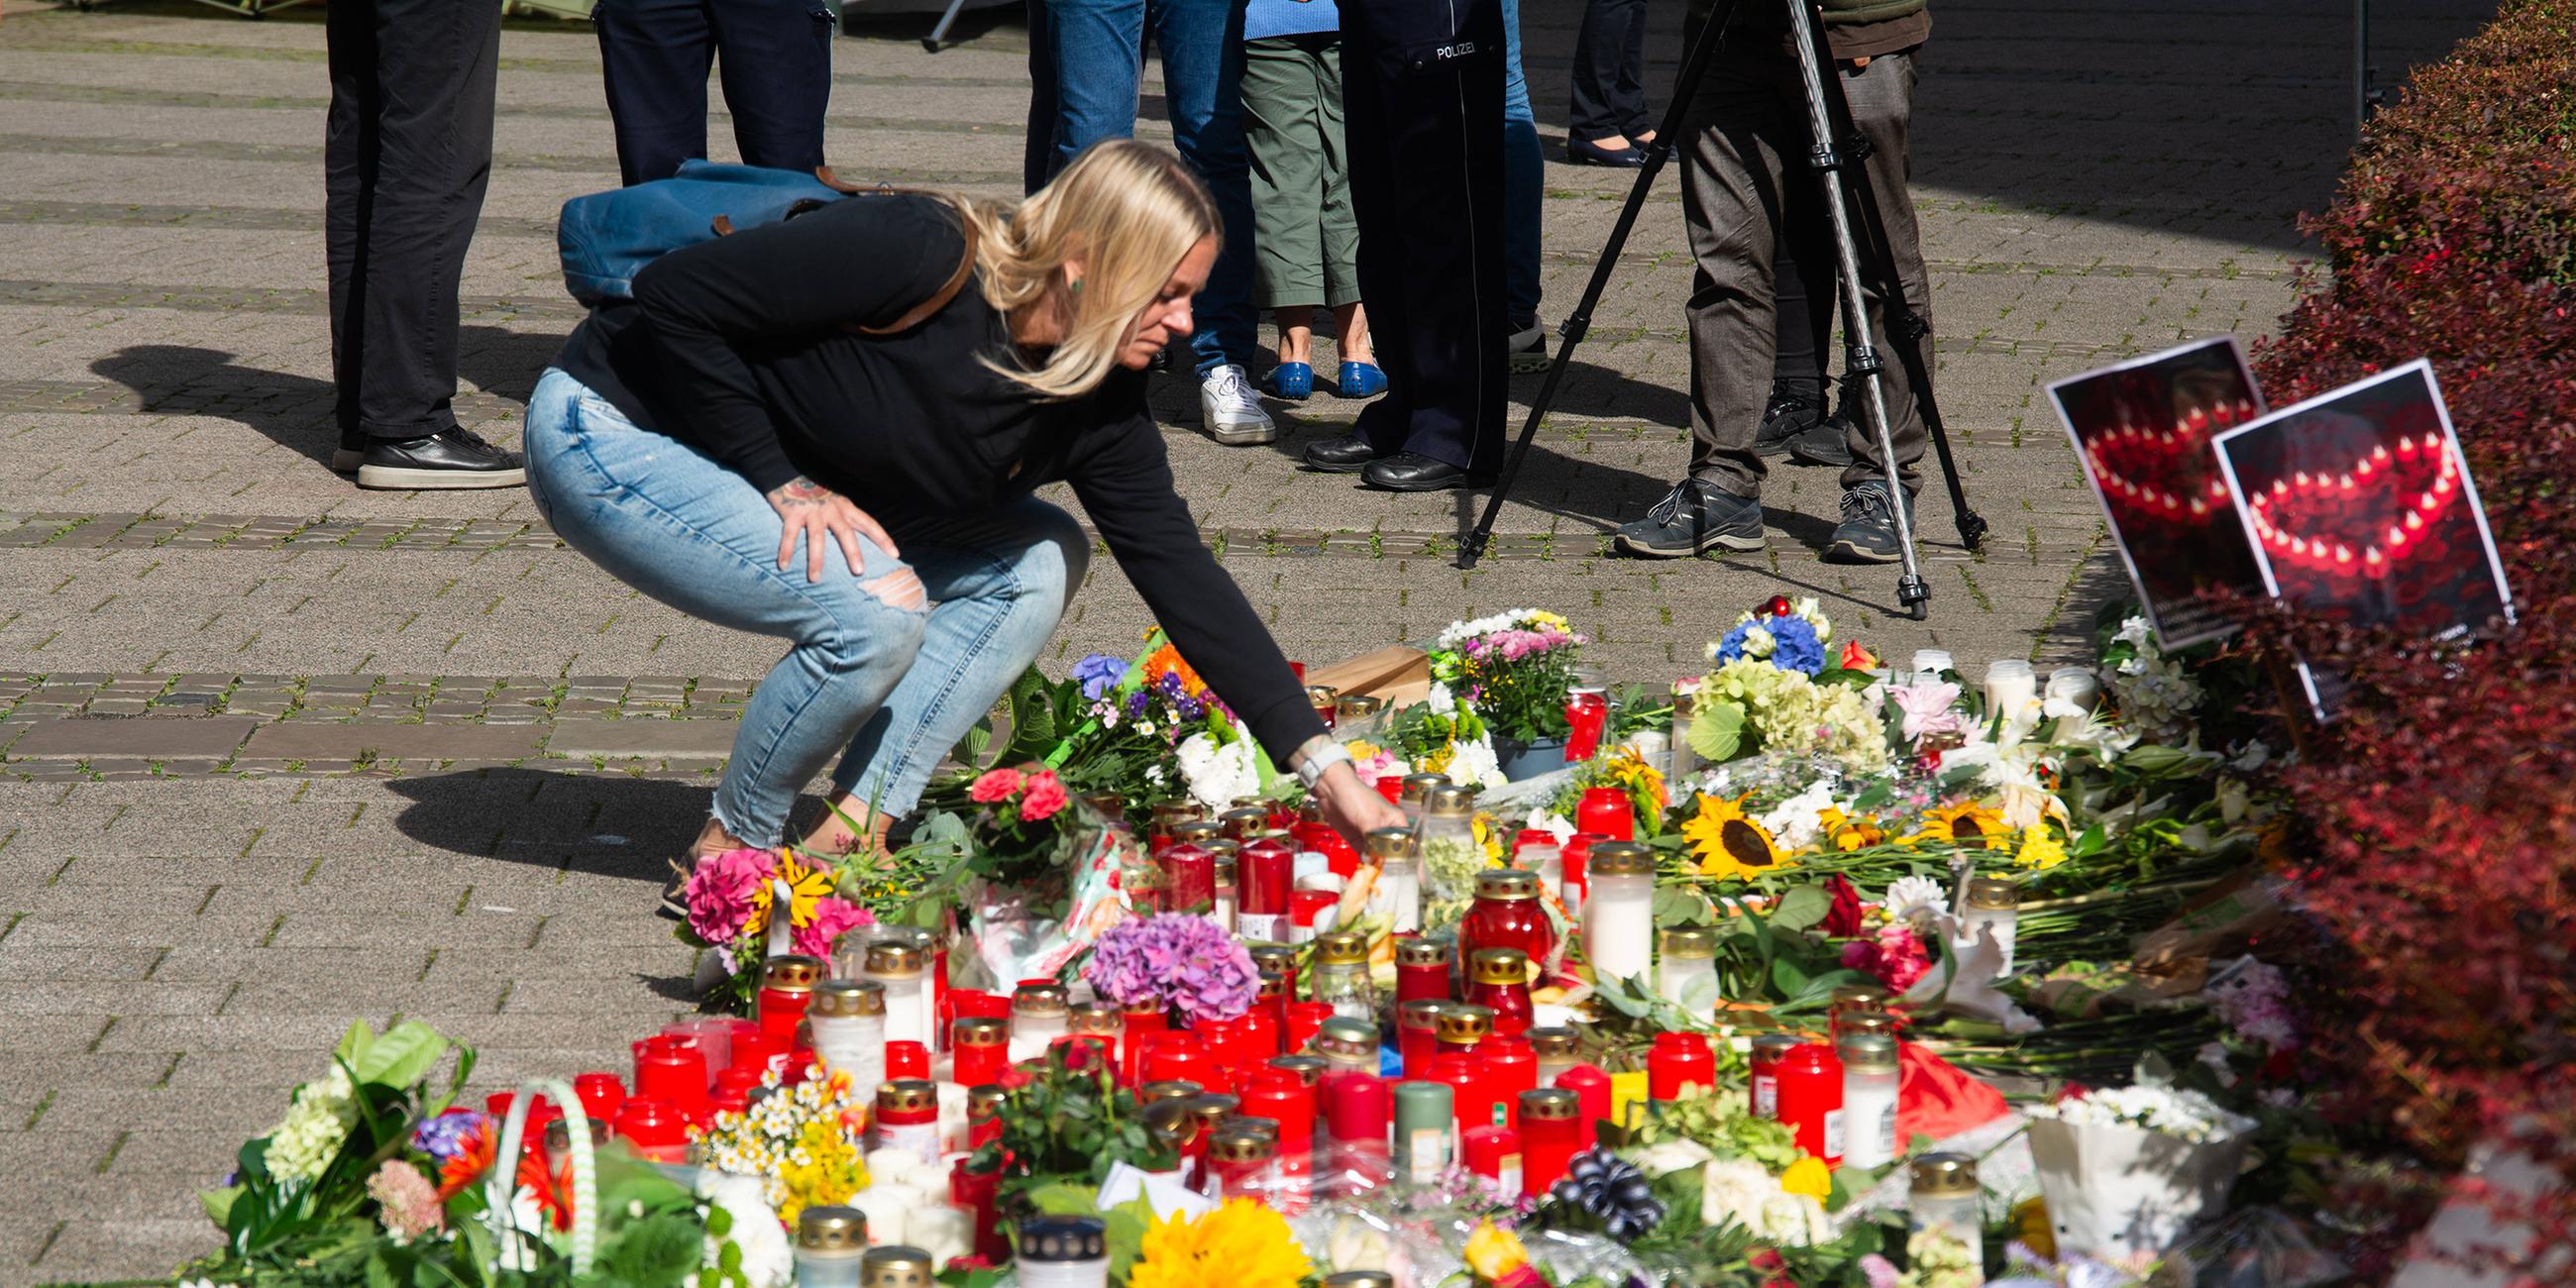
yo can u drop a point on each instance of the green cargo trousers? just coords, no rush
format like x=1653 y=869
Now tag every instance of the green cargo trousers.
x=1306 y=244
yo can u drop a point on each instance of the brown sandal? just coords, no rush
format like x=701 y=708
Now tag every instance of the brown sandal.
x=674 y=905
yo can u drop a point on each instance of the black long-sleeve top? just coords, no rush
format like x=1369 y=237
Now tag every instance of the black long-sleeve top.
x=738 y=347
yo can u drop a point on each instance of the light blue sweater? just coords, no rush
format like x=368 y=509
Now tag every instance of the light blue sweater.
x=1266 y=18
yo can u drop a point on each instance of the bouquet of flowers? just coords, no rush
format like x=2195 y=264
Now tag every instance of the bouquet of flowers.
x=1179 y=961
x=1439 y=735
x=732 y=898
x=2126 y=1169
x=1514 y=668
x=803 y=1143
x=1022 y=825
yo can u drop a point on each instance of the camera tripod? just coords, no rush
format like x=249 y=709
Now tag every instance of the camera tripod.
x=1828 y=121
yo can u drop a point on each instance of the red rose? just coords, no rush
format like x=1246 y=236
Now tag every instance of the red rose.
x=1844 y=920
x=996 y=785
x=1045 y=796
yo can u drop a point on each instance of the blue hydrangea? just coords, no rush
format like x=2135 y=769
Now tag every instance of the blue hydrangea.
x=1098 y=674
x=1794 y=646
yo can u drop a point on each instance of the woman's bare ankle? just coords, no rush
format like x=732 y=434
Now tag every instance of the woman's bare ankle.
x=713 y=839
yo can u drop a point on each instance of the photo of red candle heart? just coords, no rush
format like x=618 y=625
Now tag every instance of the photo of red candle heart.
x=2360 y=507
x=2143 y=431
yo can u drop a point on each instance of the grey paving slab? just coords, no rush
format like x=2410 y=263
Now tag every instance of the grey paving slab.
x=84 y=738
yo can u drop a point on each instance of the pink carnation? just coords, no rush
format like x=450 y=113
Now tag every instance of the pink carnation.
x=723 y=890
x=833 y=918
x=1046 y=796
x=1896 y=957
x=996 y=785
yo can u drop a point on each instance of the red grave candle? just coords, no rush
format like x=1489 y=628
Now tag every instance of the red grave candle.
x=1607 y=811
x=1679 y=1060
x=1359 y=1109
x=1511 y=1067
x=1495 y=1154
x=1591 y=1088
x=1189 y=879
x=1811 y=1099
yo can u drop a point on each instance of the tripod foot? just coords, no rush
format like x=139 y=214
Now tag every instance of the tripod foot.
x=1972 y=530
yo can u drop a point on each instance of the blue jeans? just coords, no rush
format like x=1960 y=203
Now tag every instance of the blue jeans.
x=1085 y=59
x=1524 y=167
x=889 y=689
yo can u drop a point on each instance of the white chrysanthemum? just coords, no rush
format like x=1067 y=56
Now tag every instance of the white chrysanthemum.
x=1908 y=896
x=1796 y=822
x=767 y=1261
x=1218 y=774
x=2168 y=1111
x=1475 y=763
x=1741 y=1190
x=1441 y=701
x=1670 y=1156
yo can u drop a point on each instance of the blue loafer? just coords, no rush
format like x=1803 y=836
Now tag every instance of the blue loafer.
x=1362 y=380
x=1294 y=381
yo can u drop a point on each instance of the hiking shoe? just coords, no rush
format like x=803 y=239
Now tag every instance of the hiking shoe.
x=1692 y=519
x=1529 y=350
x=1229 y=412
x=1788 y=414
x=1867 y=533
x=454 y=459
x=1824 y=443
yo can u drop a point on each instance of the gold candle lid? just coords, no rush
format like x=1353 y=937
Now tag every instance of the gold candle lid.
x=1620 y=859
x=1342 y=948
x=896 y=957
x=1690 y=943
x=1323 y=695
x=848 y=997
x=1451 y=801
x=1685 y=702
x=1273 y=985
x=1552 y=1042
x=1225 y=852
x=1310 y=810
x=1420 y=1013
x=1944 y=1175
x=826 y=1228
x=1213 y=1107
x=980 y=1030
x=1777 y=1045
x=1878 y=1022
x=1465 y=1025
x=1196 y=832
x=1388 y=844
x=1172 y=1121
x=1500 y=966
x=1342 y=1035
x=1422 y=952
x=907 y=1095
x=1357 y=705
x=1994 y=893
x=1866 y=997
x=1872 y=1051
x=1242 y=1142
x=1272 y=958
x=1360 y=1279
x=793 y=973
x=985 y=1102
x=1241 y=823
x=1169 y=814
x=1507 y=884
x=895 y=1266
x=1551 y=1104
x=1040 y=1000
x=1418 y=786
x=1180 y=1089
x=1308 y=1068
x=1099 y=1018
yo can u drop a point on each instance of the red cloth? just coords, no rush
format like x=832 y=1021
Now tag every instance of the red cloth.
x=1935 y=1099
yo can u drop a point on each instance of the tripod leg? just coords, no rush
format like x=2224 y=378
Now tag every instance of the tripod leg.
x=1579 y=320
x=1908 y=330
x=1862 y=358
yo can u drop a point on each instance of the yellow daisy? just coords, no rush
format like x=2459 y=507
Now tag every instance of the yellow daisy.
x=1965 y=824
x=1730 y=845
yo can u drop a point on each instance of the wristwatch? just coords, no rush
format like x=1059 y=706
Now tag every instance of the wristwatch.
x=1319 y=754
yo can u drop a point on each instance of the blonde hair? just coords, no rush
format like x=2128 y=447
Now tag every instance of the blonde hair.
x=1129 y=211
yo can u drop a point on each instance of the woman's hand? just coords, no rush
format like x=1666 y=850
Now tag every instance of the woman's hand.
x=1354 y=808
x=814 y=513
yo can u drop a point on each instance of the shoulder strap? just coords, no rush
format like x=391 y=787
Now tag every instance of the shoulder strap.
x=938 y=300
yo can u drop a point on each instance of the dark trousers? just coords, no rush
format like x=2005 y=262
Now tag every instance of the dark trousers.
x=776 y=60
x=1422 y=87
x=1609 y=65
x=406 y=155
x=1744 y=181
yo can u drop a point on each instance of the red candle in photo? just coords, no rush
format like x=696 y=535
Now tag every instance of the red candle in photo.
x=601 y=1095
x=1265 y=870
x=1679 y=1060
x=1469 y=1098
x=1608 y=813
x=1359 y=1111
x=1573 y=887
x=1274 y=997
x=1763 y=1090
x=1261 y=1033
x=1283 y=1098
x=1495 y=1154
x=1591 y=1088
x=1391 y=786
x=677 y=1078
x=758 y=1051
x=1305 y=1020
x=1311 y=911
x=1586 y=716
x=737 y=1083
x=655 y=1129
x=1811 y=1099
x=905 y=1059
x=1499 y=979
x=1189 y=879
x=781 y=1010
x=979 y=1048
x=1421 y=970
x=1511 y=1067
x=1177 y=1057
x=1417 y=1034
x=1139 y=1026
x=984 y=1114
x=1551 y=1135
x=980 y=1193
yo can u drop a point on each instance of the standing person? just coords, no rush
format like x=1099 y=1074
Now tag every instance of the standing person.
x=776 y=60
x=1743 y=184
x=1607 y=122
x=1306 y=245
x=1085 y=59
x=1422 y=88
x=406 y=155
x=1524 y=173
x=831 y=430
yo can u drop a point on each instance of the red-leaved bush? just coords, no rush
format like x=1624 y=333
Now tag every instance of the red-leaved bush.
x=2439 y=811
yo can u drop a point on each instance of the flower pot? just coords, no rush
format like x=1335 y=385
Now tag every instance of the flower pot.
x=1524 y=760
x=2117 y=1191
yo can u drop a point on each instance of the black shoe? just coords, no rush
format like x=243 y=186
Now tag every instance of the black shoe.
x=1529 y=350
x=1694 y=518
x=457 y=458
x=1789 y=414
x=1586 y=152
x=1867 y=533
x=1415 y=472
x=351 y=453
x=1823 y=443
x=1344 y=455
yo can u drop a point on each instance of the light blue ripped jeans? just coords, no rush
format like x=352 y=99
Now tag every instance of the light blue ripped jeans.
x=890 y=689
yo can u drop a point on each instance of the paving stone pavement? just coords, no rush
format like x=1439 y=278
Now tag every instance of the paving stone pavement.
x=276 y=754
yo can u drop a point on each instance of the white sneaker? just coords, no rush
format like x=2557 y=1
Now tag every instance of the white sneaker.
x=1529 y=351
x=1228 y=410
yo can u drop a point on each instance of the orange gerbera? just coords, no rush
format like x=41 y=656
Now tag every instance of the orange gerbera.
x=473 y=1157
x=1167 y=660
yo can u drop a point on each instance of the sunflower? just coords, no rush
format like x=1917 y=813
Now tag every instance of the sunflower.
x=810 y=885
x=1966 y=824
x=1850 y=831
x=1240 y=1245
x=1729 y=844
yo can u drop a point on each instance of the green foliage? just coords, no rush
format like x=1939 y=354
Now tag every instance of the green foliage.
x=1724 y=1124
x=1717 y=731
x=1067 y=1126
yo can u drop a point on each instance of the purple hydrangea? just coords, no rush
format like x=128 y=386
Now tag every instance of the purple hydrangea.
x=1098 y=674
x=443 y=1137
x=1179 y=960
